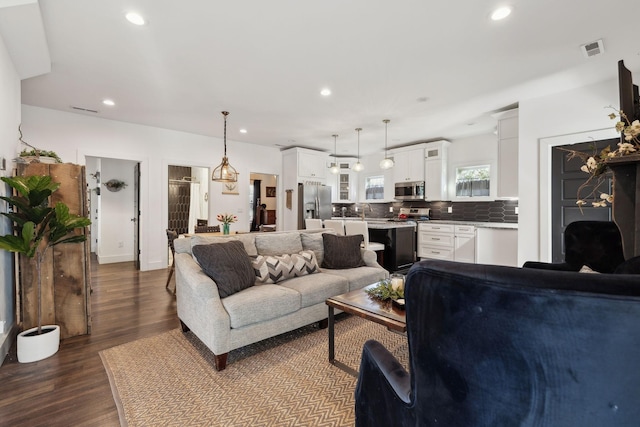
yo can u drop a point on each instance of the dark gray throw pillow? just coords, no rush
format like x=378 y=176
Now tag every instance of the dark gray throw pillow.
x=342 y=251
x=227 y=264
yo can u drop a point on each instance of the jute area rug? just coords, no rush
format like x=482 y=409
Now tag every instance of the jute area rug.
x=170 y=379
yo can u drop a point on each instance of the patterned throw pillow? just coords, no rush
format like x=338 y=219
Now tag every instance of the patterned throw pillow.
x=276 y=268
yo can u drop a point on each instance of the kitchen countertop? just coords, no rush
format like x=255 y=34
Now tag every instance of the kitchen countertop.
x=387 y=223
x=478 y=224
x=380 y=223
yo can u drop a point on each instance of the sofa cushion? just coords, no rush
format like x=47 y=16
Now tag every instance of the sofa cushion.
x=359 y=277
x=276 y=268
x=314 y=242
x=260 y=303
x=316 y=288
x=342 y=251
x=227 y=264
x=247 y=239
x=278 y=243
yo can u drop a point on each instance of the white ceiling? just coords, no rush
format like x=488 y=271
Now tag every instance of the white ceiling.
x=266 y=62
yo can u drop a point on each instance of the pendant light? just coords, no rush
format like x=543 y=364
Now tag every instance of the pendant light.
x=358 y=167
x=334 y=167
x=225 y=172
x=386 y=163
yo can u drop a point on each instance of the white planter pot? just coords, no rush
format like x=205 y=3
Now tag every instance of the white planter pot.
x=32 y=348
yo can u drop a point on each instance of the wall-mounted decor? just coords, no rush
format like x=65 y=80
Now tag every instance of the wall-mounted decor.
x=115 y=185
x=230 y=188
x=288 y=198
x=271 y=191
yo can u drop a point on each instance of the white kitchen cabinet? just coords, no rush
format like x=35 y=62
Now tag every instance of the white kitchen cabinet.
x=436 y=241
x=498 y=246
x=507 y=154
x=408 y=164
x=312 y=164
x=465 y=243
x=435 y=170
x=447 y=241
x=344 y=185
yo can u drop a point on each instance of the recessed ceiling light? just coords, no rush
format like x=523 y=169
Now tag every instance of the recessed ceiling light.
x=325 y=92
x=243 y=131
x=108 y=102
x=501 y=13
x=135 y=18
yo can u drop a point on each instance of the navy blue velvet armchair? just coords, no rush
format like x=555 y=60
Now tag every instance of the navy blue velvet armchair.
x=596 y=244
x=501 y=346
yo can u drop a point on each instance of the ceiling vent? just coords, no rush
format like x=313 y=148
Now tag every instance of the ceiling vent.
x=88 y=110
x=592 y=49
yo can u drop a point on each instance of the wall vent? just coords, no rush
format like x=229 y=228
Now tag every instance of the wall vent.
x=589 y=50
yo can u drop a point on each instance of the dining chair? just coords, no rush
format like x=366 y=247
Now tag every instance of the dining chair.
x=361 y=227
x=207 y=229
x=171 y=236
x=336 y=224
x=310 y=223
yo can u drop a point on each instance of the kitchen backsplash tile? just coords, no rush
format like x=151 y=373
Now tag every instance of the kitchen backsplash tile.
x=495 y=211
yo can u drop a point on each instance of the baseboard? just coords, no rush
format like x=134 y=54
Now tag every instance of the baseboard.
x=8 y=341
x=114 y=258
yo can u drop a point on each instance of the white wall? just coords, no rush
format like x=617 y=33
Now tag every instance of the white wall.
x=75 y=136
x=9 y=121
x=572 y=115
x=473 y=151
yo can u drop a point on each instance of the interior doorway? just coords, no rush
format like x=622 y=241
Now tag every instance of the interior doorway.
x=566 y=178
x=263 y=201
x=188 y=198
x=113 y=191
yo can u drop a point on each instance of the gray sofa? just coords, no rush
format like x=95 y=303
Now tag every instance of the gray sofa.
x=263 y=310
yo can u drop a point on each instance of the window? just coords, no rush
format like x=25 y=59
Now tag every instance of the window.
x=473 y=181
x=374 y=187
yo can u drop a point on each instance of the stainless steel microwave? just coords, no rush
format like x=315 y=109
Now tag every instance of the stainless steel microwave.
x=410 y=190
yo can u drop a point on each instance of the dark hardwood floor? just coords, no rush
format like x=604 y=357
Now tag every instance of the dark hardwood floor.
x=71 y=388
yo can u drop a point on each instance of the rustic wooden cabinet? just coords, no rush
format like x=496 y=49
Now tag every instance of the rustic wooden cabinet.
x=66 y=272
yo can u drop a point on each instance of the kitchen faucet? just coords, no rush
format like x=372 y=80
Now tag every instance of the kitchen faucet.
x=344 y=211
x=362 y=205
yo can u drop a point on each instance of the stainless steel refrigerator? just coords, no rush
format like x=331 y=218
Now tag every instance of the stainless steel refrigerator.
x=314 y=201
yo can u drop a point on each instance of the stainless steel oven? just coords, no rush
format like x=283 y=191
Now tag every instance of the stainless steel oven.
x=410 y=190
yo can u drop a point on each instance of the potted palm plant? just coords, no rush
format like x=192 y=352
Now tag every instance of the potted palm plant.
x=38 y=226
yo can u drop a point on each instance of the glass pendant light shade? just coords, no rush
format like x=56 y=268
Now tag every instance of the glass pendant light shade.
x=358 y=167
x=224 y=172
x=334 y=169
x=386 y=163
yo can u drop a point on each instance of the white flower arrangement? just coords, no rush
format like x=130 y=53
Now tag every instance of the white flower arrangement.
x=596 y=165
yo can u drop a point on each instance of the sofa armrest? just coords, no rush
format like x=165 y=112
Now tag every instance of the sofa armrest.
x=559 y=266
x=383 y=390
x=370 y=258
x=199 y=305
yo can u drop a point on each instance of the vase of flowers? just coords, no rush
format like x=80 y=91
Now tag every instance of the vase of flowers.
x=226 y=219
x=597 y=164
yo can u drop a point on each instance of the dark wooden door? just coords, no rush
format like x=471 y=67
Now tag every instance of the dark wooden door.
x=566 y=177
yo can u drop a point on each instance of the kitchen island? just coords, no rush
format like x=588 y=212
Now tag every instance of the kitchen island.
x=398 y=238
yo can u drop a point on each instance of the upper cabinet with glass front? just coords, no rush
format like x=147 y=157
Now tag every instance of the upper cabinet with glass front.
x=345 y=183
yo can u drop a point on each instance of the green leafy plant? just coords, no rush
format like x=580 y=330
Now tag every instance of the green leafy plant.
x=385 y=291
x=38 y=226
x=40 y=153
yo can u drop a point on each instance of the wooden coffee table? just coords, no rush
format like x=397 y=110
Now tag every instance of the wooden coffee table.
x=360 y=304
